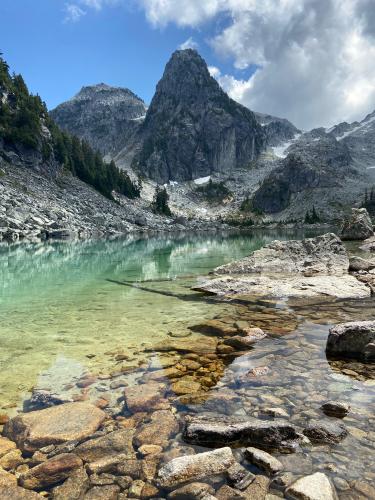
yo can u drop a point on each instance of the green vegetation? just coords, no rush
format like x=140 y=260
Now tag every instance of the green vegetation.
x=160 y=202
x=214 y=192
x=312 y=217
x=22 y=117
x=247 y=206
x=369 y=201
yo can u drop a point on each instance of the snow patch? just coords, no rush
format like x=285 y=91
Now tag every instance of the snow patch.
x=202 y=180
x=280 y=151
x=362 y=127
x=138 y=118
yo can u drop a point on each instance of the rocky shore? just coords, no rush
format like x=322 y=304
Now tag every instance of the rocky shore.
x=243 y=405
x=221 y=415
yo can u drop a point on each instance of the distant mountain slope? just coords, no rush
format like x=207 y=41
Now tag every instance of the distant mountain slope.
x=277 y=130
x=103 y=116
x=192 y=128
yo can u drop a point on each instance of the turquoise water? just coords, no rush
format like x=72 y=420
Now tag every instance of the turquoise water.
x=67 y=300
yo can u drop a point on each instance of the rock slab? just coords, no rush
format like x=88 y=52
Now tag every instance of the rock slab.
x=56 y=425
x=195 y=467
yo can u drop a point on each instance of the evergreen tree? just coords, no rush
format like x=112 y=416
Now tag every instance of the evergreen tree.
x=160 y=203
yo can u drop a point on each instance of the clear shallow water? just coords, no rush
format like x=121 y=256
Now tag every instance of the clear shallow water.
x=56 y=299
x=72 y=308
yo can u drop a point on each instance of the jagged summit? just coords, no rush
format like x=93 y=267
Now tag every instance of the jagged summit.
x=104 y=116
x=192 y=127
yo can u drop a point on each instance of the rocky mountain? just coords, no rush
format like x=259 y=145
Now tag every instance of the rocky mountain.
x=192 y=128
x=104 y=116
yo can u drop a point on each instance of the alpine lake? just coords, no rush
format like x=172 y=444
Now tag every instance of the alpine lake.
x=84 y=320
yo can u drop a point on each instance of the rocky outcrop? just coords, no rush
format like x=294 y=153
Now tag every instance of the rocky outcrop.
x=192 y=128
x=343 y=287
x=104 y=116
x=215 y=430
x=195 y=467
x=277 y=130
x=307 y=268
x=324 y=255
x=358 y=226
x=67 y=422
x=312 y=163
x=352 y=340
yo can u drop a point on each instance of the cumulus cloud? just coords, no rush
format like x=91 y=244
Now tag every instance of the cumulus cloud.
x=188 y=44
x=314 y=57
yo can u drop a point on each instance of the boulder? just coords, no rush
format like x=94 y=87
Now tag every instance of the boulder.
x=239 y=477
x=73 y=488
x=368 y=245
x=357 y=264
x=50 y=472
x=335 y=409
x=263 y=460
x=6 y=478
x=159 y=431
x=258 y=489
x=194 y=467
x=352 y=340
x=314 y=487
x=143 y=397
x=192 y=491
x=201 y=345
x=111 y=444
x=59 y=424
x=358 y=226
x=216 y=430
x=323 y=255
x=325 y=432
x=6 y=445
x=13 y=492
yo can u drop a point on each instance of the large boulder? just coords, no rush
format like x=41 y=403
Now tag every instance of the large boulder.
x=352 y=340
x=194 y=467
x=358 y=226
x=323 y=255
x=56 y=425
x=214 y=430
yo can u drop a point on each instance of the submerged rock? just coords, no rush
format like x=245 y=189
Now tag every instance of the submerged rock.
x=352 y=340
x=325 y=432
x=214 y=430
x=143 y=397
x=195 y=467
x=13 y=492
x=50 y=472
x=264 y=460
x=192 y=491
x=59 y=424
x=336 y=409
x=73 y=488
x=111 y=444
x=314 y=487
x=358 y=226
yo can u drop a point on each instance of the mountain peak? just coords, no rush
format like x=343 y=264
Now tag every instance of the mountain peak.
x=192 y=127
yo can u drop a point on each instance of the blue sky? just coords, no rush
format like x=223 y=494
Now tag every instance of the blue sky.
x=306 y=60
x=115 y=45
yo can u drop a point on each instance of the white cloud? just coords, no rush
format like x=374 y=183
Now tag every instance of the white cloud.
x=188 y=44
x=314 y=56
x=73 y=13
